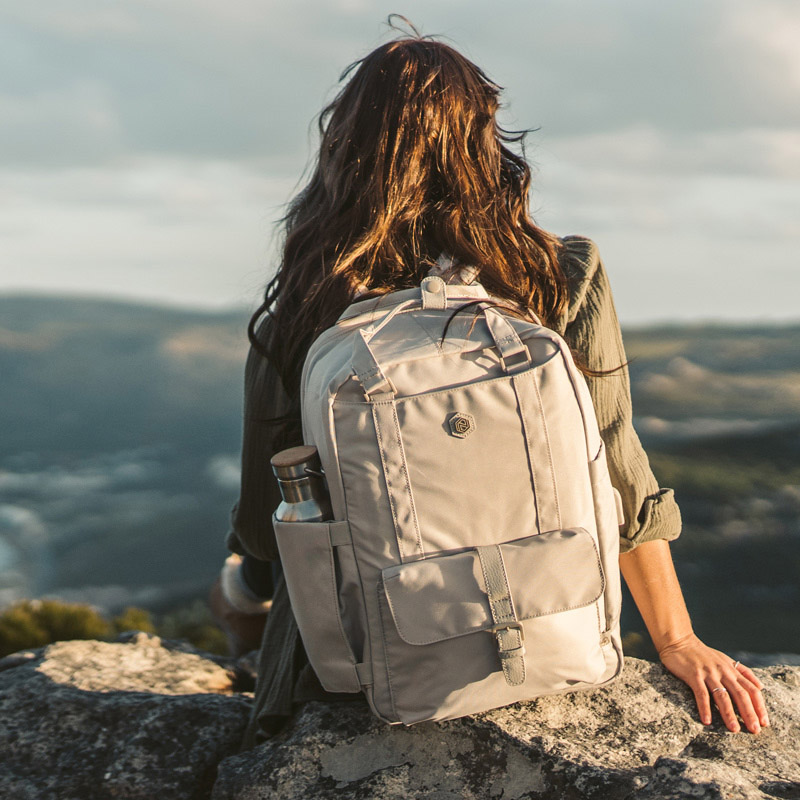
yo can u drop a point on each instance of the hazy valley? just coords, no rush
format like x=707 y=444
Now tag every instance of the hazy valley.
x=119 y=458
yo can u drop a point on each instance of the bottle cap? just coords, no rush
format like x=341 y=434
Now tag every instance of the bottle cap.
x=292 y=463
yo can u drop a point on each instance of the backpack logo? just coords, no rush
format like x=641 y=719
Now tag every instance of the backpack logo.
x=461 y=425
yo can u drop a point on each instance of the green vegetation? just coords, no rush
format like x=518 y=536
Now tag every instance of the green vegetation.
x=134 y=619
x=34 y=623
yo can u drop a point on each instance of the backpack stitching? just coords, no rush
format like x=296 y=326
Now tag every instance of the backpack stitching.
x=387 y=480
x=549 y=451
x=335 y=593
x=528 y=448
x=470 y=384
x=383 y=622
x=366 y=649
x=436 y=342
x=404 y=470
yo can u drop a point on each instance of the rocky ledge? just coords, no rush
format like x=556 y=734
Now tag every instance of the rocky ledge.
x=143 y=718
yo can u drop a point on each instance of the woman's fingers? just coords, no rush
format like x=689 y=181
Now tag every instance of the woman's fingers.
x=703 y=702
x=743 y=702
x=749 y=674
x=753 y=688
x=734 y=693
x=760 y=707
x=722 y=700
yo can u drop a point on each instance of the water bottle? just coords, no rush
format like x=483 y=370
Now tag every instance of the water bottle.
x=302 y=485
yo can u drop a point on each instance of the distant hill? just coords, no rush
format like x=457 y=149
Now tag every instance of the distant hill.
x=715 y=371
x=121 y=433
x=80 y=376
x=121 y=427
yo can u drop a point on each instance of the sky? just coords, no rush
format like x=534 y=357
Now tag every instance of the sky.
x=147 y=147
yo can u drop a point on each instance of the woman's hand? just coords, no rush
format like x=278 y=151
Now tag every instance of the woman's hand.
x=650 y=575
x=716 y=678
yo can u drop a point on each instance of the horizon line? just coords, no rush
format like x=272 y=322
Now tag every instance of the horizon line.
x=195 y=307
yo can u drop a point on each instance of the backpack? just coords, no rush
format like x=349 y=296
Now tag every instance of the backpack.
x=472 y=559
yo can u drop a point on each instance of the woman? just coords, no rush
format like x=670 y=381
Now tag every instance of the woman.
x=412 y=165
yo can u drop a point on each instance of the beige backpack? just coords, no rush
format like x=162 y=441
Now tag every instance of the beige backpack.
x=472 y=560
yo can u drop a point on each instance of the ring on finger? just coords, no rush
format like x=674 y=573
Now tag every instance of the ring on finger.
x=719 y=689
x=736 y=664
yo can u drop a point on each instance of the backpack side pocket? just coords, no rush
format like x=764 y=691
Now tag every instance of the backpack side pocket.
x=307 y=556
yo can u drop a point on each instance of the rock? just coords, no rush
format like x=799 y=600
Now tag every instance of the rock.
x=82 y=720
x=146 y=718
x=638 y=738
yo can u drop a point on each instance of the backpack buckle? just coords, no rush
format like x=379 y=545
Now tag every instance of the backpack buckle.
x=511 y=625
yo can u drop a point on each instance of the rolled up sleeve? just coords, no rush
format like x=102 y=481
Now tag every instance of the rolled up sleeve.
x=592 y=331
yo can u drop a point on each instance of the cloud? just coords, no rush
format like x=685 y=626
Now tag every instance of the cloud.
x=768 y=33
x=55 y=481
x=147 y=147
x=701 y=427
x=244 y=78
x=635 y=183
x=77 y=123
x=204 y=80
x=763 y=152
x=81 y=20
x=8 y=556
x=687 y=385
x=118 y=471
x=225 y=472
x=23 y=545
x=19 y=522
x=191 y=232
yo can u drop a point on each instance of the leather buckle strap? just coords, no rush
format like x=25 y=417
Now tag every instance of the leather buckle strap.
x=504 y=626
x=510 y=637
x=507 y=629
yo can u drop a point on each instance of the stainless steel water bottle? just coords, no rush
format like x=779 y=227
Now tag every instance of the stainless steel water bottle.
x=302 y=484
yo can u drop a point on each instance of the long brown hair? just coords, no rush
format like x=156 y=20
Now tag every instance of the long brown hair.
x=412 y=163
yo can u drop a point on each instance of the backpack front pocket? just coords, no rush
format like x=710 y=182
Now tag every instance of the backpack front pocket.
x=443 y=648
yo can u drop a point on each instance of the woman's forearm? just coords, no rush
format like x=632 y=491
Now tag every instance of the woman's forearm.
x=650 y=575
